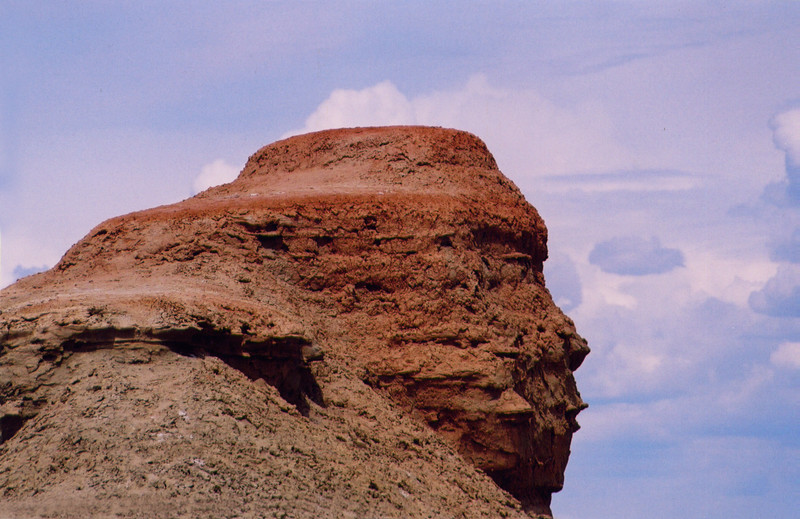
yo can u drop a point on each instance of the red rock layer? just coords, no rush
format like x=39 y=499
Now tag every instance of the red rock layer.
x=400 y=257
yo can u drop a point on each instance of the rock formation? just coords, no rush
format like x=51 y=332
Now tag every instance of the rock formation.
x=358 y=325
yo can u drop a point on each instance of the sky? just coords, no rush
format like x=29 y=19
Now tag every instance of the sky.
x=660 y=141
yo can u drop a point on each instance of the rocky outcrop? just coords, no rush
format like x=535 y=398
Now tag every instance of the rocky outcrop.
x=334 y=332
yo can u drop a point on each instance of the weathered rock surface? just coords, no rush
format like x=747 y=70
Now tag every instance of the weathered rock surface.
x=350 y=328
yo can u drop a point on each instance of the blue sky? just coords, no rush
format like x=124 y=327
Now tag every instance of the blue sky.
x=659 y=140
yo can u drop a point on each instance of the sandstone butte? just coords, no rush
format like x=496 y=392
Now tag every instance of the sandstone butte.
x=357 y=326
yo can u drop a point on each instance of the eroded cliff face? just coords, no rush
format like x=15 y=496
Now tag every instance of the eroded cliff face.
x=345 y=275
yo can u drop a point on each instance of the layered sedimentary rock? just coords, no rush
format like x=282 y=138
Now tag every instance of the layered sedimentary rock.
x=336 y=332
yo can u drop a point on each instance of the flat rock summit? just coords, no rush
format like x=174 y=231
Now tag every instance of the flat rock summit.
x=357 y=326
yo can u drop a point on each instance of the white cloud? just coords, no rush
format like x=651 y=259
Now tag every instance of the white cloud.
x=780 y=296
x=786 y=134
x=214 y=174
x=529 y=134
x=378 y=105
x=673 y=415
x=787 y=355
x=725 y=276
x=601 y=290
x=634 y=366
x=660 y=335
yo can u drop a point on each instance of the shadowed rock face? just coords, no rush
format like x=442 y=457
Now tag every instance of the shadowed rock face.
x=398 y=259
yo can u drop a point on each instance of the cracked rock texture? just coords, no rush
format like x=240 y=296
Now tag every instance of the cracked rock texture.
x=357 y=326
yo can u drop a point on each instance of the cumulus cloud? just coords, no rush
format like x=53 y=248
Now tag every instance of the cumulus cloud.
x=787 y=355
x=724 y=275
x=786 y=136
x=780 y=297
x=529 y=133
x=381 y=104
x=669 y=340
x=214 y=174
x=635 y=256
